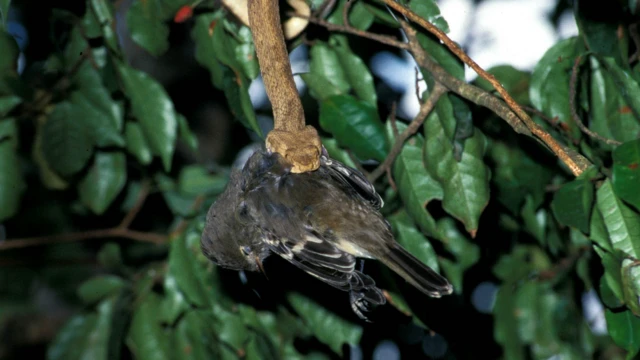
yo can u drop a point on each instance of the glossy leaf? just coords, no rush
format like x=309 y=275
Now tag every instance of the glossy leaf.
x=465 y=182
x=181 y=273
x=186 y=135
x=356 y=72
x=624 y=329
x=202 y=35
x=67 y=143
x=196 y=180
x=11 y=182
x=154 y=110
x=325 y=64
x=611 y=116
x=359 y=15
x=415 y=185
x=356 y=125
x=627 y=86
x=622 y=223
x=626 y=172
x=329 y=328
x=92 y=105
x=412 y=239
x=104 y=181
x=145 y=23
x=7 y=103
x=515 y=81
x=428 y=10
x=466 y=252
x=194 y=337
x=98 y=288
x=70 y=341
x=146 y=338
x=572 y=204
x=549 y=89
x=137 y=144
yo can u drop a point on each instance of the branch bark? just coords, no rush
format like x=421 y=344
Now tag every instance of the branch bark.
x=574 y=161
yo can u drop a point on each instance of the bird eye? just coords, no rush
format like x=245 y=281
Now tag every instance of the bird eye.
x=245 y=250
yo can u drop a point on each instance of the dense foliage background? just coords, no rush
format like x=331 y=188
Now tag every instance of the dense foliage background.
x=106 y=173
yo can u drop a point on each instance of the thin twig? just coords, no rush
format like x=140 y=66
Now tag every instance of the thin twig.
x=572 y=105
x=345 y=13
x=120 y=231
x=426 y=108
x=563 y=264
x=115 y=232
x=387 y=40
x=574 y=161
x=135 y=209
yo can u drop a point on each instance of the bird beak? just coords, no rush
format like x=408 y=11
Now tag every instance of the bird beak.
x=259 y=263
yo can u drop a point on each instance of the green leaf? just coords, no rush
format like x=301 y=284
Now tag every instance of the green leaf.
x=428 y=10
x=174 y=304
x=104 y=181
x=110 y=256
x=356 y=125
x=416 y=187
x=206 y=53
x=7 y=103
x=626 y=172
x=4 y=12
x=549 y=90
x=230 y=328
x=99 y=287
x=103 y=11
x=186 y=135
x=515 y=81
x=535 y=220
x=325 y=64
x=147 y=28
x=136 y=143
x=246 y=54
x=612 y=274
x=624 y=329
x=465 y=182
x=504 y=330
x=92 y=104
x=154 y=110
x=600 y=37
x=630 y=275
x=466 y=253
x=194 y=337
x=146 y=338
x=336 y=152
x=196 y=180
x=572 y=204
x=70 y=340
x=611 y=117
x=66 y=141
x=412 y=240
x=356 y=72
x=627 y=86
x=8 y=61
x=12 y=184
x=182 y=274
x=359 y=15
x=85 y=336
x=442 y=56
x=622 y=223
x=329 y=328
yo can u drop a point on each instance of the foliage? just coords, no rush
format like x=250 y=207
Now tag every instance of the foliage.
x=95 y=137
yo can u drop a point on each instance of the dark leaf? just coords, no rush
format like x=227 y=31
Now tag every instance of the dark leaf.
x=572 y=204
x=104 y=181
x=154 y=110
x=626 y=172
x=356 y=125
x=329 y=328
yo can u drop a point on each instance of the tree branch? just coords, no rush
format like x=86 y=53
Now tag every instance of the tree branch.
x=574 y=161
x=425 y=109
x=120 y=231
x=572 y=105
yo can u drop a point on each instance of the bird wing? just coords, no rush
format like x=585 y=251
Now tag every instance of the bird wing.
x=352 y=179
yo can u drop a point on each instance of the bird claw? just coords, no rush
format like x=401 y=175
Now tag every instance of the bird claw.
x=359 y=305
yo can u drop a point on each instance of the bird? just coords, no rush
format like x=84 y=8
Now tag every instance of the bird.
x=321 y=221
